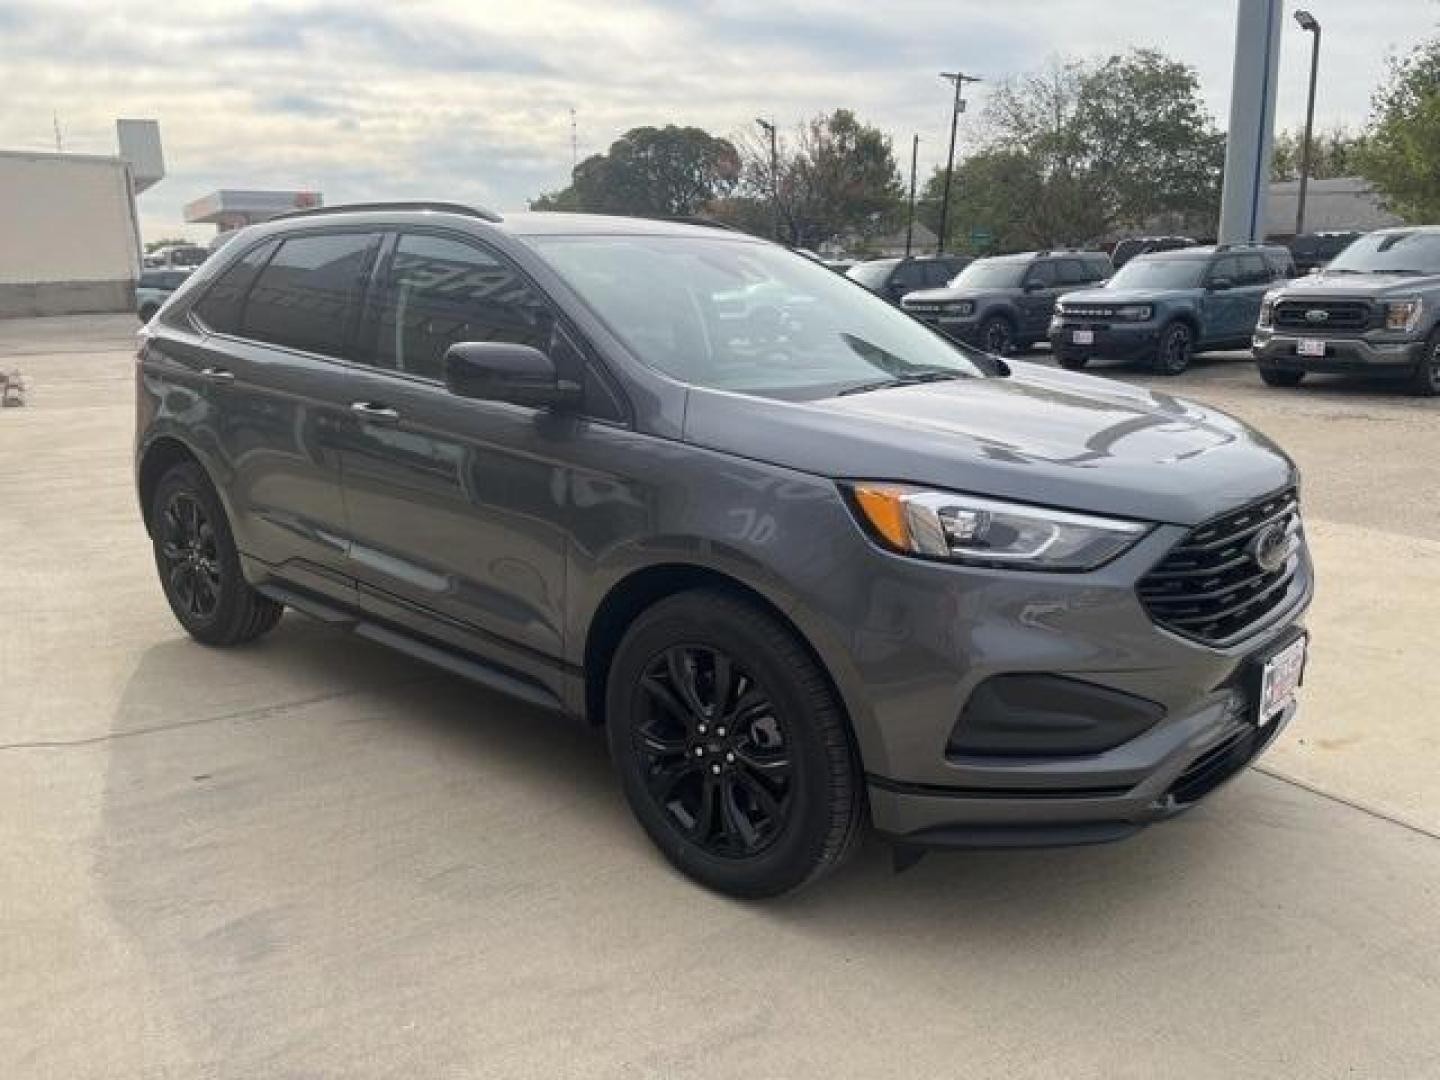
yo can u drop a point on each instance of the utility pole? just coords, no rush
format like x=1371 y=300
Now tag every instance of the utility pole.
x=1309 y=23
x=574 y=142
x=768 y=127
x=55 y=119
x=910 y=217
x=959 y=79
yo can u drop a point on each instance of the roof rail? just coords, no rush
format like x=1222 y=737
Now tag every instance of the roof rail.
x=361 y=208
x=1245 y=244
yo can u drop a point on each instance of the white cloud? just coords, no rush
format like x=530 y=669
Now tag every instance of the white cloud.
x=471 y=101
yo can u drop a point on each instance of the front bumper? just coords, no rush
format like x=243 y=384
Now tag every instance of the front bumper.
x=1343 y=355
x=1113 y=341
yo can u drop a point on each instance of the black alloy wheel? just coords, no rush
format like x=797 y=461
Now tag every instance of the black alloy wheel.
x=997 y=336
x=199 y=565
x=714 y=751
x=190 y=559
x=1426 y=380
x=732 y=746
x=1176 y=349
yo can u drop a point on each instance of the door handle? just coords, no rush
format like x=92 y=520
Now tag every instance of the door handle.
x=372 y=413
x=218 y=375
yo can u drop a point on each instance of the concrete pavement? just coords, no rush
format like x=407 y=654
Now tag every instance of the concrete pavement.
x=314 y=858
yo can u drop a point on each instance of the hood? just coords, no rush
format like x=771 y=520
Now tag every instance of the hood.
x=1039 y=435
x=1112 y=297
x=1370 y=285
x=940 y=296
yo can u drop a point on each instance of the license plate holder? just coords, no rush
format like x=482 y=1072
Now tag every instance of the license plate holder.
x=1281 y=675
x=1082 y=337
x=1310 y=347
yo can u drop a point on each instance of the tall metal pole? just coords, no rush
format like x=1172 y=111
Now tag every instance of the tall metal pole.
x=769 y=128
x=1250 y=141
x=1312 y=24
x=959 y=79
x=910 y=218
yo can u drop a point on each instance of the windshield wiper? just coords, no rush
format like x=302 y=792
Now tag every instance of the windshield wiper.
x=902 y=380
x=1402 y=271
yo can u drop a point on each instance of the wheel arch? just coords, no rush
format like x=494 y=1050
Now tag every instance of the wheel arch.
x=159 y=456
x=641 y=589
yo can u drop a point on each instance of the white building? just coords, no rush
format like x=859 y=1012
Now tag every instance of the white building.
x=69 y=236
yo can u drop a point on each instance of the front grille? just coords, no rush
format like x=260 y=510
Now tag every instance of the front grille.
x=1211 y=588
x=926 y=309
x=1327 y=315
x=1087 y=311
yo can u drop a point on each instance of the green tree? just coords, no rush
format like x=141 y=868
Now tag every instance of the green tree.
x=169 y=241
x=836 y=176
x=1332 y=153
x=651 y=172
x=1080 y=150
x=1401 y=153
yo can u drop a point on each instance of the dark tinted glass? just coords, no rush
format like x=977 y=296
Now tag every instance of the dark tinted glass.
x=440 y=291
x=307 y=294
x=1041 y=274
x=909 y=275
x=1072 y=272
x=1227 y=268
x=1254 y=270
x=219 y=308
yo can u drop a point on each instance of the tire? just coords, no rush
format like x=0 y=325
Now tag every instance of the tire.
x=997 y=336
x=1425 y=382
x=754 y=809
x=1175 y=350
x=1071 y=362
x=148 y=312
x=1276 y=377
x=198 y=565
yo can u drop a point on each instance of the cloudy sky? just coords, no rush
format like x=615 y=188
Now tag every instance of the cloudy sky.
x=470 y=99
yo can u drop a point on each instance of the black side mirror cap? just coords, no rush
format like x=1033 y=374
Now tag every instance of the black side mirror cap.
x=501 y=371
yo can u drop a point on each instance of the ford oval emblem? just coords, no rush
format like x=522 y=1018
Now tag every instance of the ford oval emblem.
x=1317 y=315
x=1271 y=547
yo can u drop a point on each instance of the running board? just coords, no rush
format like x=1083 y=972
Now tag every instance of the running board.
x=457 y=664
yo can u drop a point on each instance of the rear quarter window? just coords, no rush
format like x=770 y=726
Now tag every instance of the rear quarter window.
x=220 y=308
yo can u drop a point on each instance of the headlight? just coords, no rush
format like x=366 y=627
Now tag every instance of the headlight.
x=1402 y=315
x=986 y=532
x=958 y=307
x=1267 y=312
x=1134 y=312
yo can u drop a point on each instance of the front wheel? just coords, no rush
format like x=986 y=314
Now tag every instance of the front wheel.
x=997 y=336
x=731 y=747
x=1425 y=382
x=1176 y=349
x=1276 y=377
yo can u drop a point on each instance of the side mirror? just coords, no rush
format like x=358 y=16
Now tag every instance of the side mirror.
x=500 y=371
x=1220 y=284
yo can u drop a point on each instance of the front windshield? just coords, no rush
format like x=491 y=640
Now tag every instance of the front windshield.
x=1390 y=253
x=748 y=317
x=1145 y=272
x=870 y=274
x=991 y=275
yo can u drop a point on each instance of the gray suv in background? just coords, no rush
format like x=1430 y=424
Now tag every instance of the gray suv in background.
x=807 y=562
x=1003 y=303
x=1164 y=308
x=1375 y=310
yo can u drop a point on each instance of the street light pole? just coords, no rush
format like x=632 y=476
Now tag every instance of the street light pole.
x=1311 y=24
x=769 y=129
x=910 y=217
x=959 y=79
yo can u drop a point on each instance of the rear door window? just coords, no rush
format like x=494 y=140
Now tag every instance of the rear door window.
x=220 y=308
x=1227 y=267
x=937 y=274
x=1254 y=270
x=1072 y=272
x=1041 y=274
x=908 y=276
x=307 y=296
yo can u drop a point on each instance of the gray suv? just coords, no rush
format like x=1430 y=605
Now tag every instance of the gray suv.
x=1003 y=303
x=1375 y=310
x=807 y=562
x=1164 y=308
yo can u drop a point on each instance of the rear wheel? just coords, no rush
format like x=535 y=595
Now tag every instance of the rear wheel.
x=1072 y=361
x=997 y=336
x=1176 y=349
x=731 y=746
x=1276 y=377
x=199 y=566
x=1425 y=382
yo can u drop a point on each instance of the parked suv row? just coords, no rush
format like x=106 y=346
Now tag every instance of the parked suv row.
x=1167 y=306
x=803 y=559
x=893 y=278
x=1004 y=303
